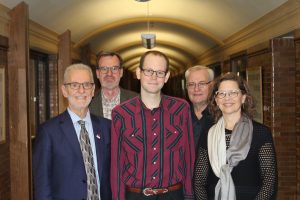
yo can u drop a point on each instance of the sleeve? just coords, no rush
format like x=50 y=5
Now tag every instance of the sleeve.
x=189 y=156
x=117 y=158
x=41 y=164
x=201 y=174
x=268 y=170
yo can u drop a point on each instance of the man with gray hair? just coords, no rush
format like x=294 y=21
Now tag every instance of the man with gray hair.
x=71 y=152
x=198 y=83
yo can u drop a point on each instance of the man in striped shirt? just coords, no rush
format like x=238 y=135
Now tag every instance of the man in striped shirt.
x=152 y=139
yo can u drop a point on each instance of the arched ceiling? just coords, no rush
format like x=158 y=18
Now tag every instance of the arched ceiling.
x=184 y=29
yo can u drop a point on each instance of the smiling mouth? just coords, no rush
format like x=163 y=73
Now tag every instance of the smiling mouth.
x=228 y=104
x=81 y=97
x=153 y=83
x=109 y=77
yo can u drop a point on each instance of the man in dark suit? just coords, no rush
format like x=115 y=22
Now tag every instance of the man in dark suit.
x=109 y=72
x=71 y=153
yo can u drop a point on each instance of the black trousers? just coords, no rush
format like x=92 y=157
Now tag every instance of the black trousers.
x=174 y=195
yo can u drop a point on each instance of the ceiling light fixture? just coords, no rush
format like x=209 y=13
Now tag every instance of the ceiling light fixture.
x=148 y=39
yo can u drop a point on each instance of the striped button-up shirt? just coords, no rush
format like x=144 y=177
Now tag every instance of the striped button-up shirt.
x=151 y=148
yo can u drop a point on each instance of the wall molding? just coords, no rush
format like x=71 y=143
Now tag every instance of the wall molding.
x=43 y=39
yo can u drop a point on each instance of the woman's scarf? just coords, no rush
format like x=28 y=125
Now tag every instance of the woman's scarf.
x=222 y=161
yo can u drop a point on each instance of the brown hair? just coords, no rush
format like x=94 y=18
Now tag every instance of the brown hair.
x=156 y=53
x=108 y=53
x=248 y=107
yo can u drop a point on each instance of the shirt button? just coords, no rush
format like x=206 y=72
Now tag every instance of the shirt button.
x=132 y=135
x=154 y=148
x=154 y=163
x=153 y=177
x=175 y=131
x=154 y=119
x=154 y=133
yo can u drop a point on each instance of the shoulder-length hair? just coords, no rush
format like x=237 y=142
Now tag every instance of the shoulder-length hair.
x=248 y=107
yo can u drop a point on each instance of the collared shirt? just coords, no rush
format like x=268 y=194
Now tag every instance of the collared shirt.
x=109 y=104
x=201 y=126
x=89 y=127
x=152 y=148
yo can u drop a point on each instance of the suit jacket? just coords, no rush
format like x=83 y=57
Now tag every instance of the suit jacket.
x=96 y=103
x=58 y=166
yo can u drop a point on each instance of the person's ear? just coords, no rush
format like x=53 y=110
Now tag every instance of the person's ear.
x=138 y=73
x=167 y=76
x=121 y=72
x=244 y=98
x=64 y=91
x=98 y=73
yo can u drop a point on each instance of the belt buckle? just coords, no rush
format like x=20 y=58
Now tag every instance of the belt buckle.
x=147 y=190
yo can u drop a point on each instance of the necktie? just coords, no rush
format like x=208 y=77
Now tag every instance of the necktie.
x=87 y=155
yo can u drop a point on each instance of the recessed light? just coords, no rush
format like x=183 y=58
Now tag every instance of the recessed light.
x=142 y=0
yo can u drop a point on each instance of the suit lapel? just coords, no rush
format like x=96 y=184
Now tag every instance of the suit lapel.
x=99 y=143
x=99 y=103
x=70 y=133
x=122 y=96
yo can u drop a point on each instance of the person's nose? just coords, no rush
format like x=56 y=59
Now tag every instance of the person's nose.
x=109 y=72
x=81 y=89
x=154 y=75
x=197 y=88
x=227 y=97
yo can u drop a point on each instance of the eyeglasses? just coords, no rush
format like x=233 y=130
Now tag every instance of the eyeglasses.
x=193 y=85
x=113 y=69
x=76 y=86
x=150 y=72
x=230 y=93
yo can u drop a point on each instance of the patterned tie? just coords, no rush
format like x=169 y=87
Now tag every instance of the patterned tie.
x=87 y=155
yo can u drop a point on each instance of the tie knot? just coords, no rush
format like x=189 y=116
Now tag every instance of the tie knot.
x=82 y=123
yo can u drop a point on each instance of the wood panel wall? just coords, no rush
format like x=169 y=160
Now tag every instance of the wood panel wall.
x=64 y=60
x=20 y=141
x=4 y=146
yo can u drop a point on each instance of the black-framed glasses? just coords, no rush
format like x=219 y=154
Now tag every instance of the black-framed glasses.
x=230 y=93
x=105 y=70
x=150 y=72
x=193 y=85
x=76 y=85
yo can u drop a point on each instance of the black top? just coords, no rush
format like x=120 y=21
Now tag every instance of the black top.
x=254 y=178
x=200 y=127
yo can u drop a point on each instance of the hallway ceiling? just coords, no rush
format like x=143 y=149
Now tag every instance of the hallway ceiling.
x=184 y=29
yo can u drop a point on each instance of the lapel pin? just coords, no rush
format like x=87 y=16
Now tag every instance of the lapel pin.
x=98 y=136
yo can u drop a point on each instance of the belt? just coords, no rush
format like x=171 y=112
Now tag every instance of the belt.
x=154 y=191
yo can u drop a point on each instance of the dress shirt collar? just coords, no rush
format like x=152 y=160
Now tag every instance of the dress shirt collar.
x=75 y=118
x=140 y=105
